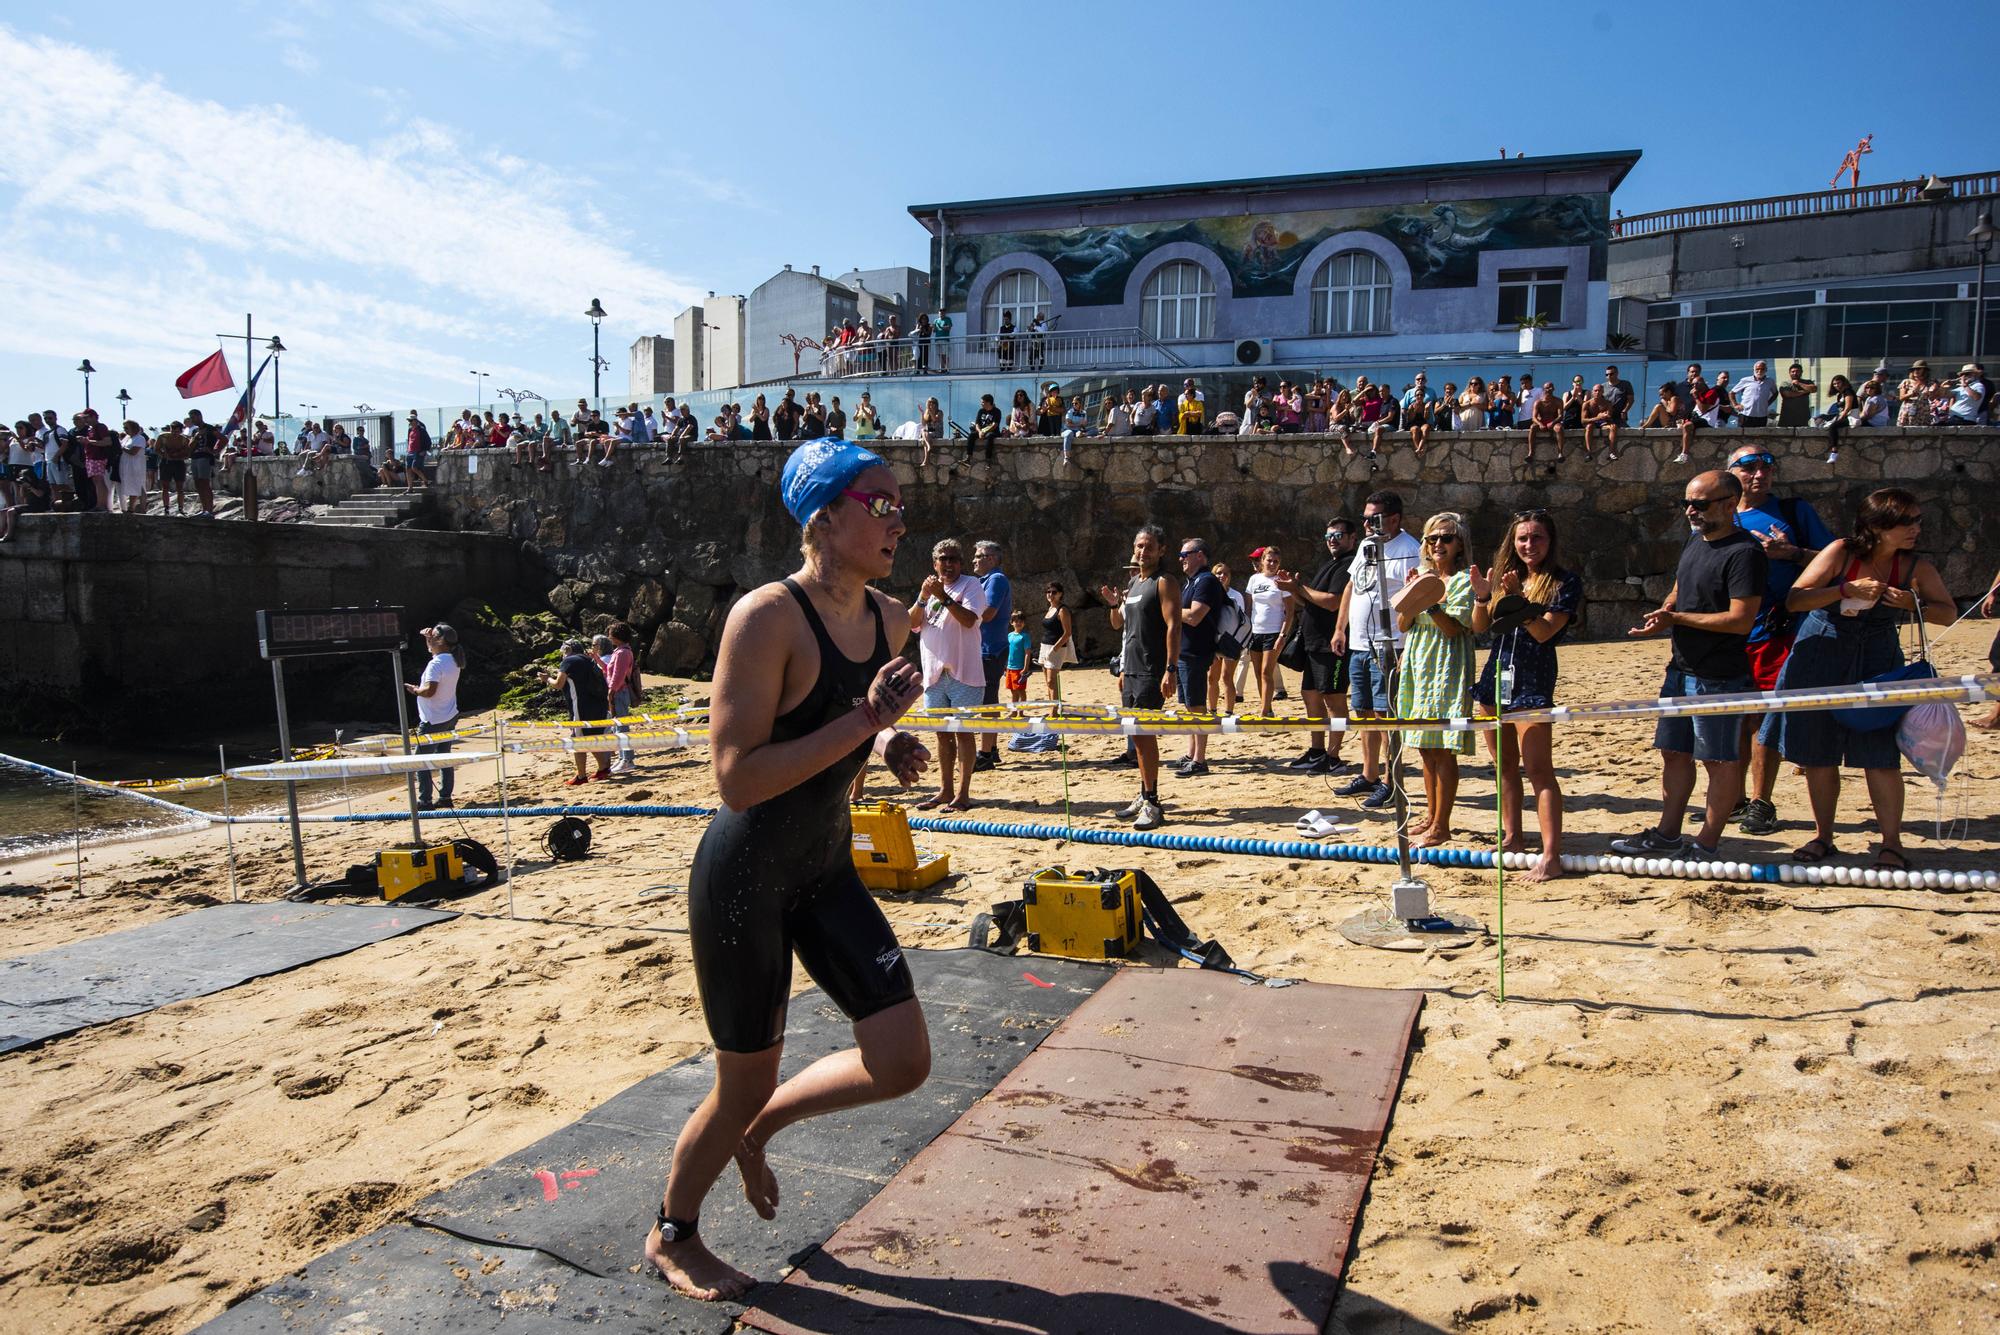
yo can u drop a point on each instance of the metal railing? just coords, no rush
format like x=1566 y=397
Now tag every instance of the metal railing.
x=1817 y=202
x=1001 y=354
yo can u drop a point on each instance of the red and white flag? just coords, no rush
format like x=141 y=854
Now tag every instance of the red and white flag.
x=208 y=376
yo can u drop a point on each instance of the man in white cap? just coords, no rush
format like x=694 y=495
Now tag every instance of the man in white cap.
x=437 y=707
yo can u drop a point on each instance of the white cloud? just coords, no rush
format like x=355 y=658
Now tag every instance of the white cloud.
x=299 y=60
x=534 y=24
x=417 y=208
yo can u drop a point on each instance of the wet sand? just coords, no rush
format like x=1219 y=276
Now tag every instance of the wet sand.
x=1703 y=1105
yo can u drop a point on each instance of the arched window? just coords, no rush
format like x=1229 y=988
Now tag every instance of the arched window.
x=1350 y=295
x=1179 y=302
x=1019 y=293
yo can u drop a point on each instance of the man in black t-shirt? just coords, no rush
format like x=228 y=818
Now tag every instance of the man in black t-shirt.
x=579 y=679
x=1709 y=613
x=1325 y=681
x=1202 y=598
x=204 y=443
x=985 y=427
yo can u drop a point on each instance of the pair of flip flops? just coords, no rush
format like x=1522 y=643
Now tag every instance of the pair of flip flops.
x=1315 y=825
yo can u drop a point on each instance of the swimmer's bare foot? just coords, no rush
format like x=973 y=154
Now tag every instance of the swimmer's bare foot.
x=935 y=800
x=1547 y=868
x=1515 y=844
x=694 y=1270
x=1430 y=838
x=760 y=1184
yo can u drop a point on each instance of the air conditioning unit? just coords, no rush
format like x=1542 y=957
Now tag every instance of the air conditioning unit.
x=1253 y=352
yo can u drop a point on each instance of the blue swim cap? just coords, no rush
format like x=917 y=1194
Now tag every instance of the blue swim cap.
x=818 y=471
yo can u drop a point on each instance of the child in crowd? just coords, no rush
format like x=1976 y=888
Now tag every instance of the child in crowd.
x=1017 y=657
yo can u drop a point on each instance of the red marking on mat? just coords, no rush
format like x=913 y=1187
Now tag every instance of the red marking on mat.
x=1036 y=981
x=571 y=1179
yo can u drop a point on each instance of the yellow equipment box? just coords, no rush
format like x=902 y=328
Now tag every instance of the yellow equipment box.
x=884 y=855
x=412 y=867
x=1082 y=915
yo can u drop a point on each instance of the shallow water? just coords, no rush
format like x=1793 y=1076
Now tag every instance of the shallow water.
x=40 y=812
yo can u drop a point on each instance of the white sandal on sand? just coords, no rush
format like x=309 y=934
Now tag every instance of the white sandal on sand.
x=1314 y=825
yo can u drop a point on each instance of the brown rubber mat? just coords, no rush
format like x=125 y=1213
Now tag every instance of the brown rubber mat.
x=1187 y=1152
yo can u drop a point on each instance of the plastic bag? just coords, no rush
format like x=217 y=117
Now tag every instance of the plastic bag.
x=1932 y=735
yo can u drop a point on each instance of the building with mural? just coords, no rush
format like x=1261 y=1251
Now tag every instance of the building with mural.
x=1449 y=258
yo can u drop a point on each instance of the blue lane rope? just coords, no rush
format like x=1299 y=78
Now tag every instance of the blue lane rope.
x=1768 y=873
x=1475 y=858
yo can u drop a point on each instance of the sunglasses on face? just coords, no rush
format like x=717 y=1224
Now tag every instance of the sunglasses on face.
x=879 y=505
x=1754 y=461
x=1439 y=539
x=1701 y=503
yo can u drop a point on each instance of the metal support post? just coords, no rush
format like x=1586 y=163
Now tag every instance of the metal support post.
x=403 y=724
x=228 y=830
x=506 y=827
x=291 y=788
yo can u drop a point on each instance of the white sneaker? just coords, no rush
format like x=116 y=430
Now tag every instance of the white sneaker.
x=1833 y=456
x=1150 y=816
x=1681 y=458
x=1133 y=807
x=300 y=473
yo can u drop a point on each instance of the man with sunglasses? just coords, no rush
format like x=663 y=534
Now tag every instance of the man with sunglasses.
x=1371 y=650
x=1325 y=680
x=1709 y=614
x=1791 y=534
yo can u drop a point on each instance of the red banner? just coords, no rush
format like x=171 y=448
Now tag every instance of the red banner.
x=208 y=376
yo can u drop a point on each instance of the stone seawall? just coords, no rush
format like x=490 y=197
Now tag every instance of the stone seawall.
x=668 y=546
x=116 y=618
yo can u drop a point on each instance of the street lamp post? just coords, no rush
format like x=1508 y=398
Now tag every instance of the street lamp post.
x=1981 y=236
x=596 y=314
x=87 y=371
x=274 y=347
x=479 y=379
x=124 y=408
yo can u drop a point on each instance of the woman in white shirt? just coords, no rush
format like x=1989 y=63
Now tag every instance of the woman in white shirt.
x=132 y=469
x=1231 y=631
x=1270 y=617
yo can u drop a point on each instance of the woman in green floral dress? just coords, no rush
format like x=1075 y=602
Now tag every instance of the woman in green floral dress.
x=1436 y=676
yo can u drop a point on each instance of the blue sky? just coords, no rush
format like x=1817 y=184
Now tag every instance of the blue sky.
x=409 y=190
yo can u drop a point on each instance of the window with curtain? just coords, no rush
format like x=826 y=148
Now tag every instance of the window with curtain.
x=1019 y=293
x=1178 y=302
x=1350 y=295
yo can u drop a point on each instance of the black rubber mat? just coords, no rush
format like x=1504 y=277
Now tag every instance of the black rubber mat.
x=59 y=991
x=565 y=1217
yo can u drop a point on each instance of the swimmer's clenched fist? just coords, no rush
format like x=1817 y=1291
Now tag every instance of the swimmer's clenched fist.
x=896 y=688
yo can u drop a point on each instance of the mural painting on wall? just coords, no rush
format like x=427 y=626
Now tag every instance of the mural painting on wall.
x=1262 y=252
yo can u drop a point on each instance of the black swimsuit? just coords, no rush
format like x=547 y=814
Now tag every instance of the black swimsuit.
x=779 y=878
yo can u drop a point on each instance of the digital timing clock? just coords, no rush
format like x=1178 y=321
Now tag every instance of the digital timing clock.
x=293 y=632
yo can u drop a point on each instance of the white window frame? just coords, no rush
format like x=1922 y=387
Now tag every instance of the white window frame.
x=1019 y=292
x=1356 y=302
x=1184 y=313
x=1532 y=281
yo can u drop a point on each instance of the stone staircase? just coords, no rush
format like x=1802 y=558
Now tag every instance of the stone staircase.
x=383 y=508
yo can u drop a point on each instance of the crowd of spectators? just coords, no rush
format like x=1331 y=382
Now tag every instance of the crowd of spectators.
x=85 y=464
x=1388 y=622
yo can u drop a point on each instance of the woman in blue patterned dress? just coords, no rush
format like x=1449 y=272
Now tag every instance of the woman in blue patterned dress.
x=1856 y=595
x=1526 y=565
x=1437 y=672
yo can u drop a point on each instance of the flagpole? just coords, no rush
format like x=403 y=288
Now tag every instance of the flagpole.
x=249 y=361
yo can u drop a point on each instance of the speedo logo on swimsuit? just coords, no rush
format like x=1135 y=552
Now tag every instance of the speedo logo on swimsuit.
x=889 y=959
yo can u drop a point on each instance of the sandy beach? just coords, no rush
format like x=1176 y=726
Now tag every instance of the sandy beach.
x=1706 y=1106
